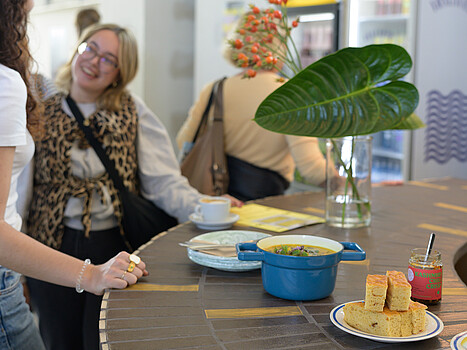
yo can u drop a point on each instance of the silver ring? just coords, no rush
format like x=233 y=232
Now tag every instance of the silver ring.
x=135 y=258
x=123 y=276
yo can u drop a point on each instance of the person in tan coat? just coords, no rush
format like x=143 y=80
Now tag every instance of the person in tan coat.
x=260 y=162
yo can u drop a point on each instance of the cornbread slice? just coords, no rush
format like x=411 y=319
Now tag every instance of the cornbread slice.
x=413 y=320
x=418 y=317
x=406 y=323
x=399 y=291
x=375 y=296
x=387 y=323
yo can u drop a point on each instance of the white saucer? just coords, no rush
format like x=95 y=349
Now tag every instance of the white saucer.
x=214 y=225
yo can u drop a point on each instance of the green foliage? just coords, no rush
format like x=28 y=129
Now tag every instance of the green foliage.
x=355 y=91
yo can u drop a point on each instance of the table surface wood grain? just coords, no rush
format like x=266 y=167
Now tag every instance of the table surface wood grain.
x=182 y=305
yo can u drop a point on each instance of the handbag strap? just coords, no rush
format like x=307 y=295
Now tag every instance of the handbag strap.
x=219 y=165
x=108 y=164
x=205 y=116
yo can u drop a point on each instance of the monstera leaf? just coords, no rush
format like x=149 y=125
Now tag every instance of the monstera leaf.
x=355 y=91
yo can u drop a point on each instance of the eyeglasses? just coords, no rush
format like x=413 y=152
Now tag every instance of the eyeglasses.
x=89 y=50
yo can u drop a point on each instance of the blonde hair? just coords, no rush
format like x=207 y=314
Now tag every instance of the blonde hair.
x=127 y=65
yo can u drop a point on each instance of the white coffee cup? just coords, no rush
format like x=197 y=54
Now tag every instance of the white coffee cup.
x=213 y=209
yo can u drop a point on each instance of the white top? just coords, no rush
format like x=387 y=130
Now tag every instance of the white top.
x=13 y=132
x=159 y=173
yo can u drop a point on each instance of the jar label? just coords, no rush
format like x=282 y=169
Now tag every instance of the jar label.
x=426 y=284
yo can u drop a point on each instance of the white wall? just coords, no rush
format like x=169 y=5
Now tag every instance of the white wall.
x=440 y=149
x=52 y=32
x=129 y=14
x=168 y=80
x=213 y=21
x=165 y=35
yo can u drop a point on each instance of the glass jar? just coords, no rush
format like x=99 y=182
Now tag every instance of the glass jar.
x=348 y=181
x=425 y=276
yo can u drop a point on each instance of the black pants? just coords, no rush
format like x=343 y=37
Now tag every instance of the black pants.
x=69 y=320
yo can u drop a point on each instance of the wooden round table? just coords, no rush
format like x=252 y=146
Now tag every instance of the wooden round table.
x=182 y=305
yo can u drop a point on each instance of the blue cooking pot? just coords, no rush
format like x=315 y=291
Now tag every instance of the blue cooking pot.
x=297 y=277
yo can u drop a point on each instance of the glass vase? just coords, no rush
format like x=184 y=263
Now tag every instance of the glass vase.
x=348 y=181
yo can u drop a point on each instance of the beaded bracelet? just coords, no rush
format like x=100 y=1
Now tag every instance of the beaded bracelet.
x=80 y=277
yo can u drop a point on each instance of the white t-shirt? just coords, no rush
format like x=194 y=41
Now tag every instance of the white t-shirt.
x=13 y=132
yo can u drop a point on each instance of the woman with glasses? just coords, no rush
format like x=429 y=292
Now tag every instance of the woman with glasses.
x=19 y=118
x=75 y=207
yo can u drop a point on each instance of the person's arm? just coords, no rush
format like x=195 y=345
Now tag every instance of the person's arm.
x=308 y=159
x=24 y=189
x=159 y=171
x=25 y=255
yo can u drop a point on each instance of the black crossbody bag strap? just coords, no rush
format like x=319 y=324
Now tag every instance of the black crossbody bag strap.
x=108 y=164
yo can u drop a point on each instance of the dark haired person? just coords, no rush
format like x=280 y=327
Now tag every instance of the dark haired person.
x=19 y=253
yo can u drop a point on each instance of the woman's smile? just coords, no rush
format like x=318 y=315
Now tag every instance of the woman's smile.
x=91 y=75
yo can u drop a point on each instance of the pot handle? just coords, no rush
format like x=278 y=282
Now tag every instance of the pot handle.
x=352 y=256
x=251 y=254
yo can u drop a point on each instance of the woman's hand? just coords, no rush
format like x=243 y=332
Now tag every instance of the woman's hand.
x=119 y=272
x=234 y=201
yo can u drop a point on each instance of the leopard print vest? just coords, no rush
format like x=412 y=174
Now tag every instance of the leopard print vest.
x=54 y=182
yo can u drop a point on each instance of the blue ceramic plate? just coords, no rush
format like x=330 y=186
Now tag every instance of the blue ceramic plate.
x=459 y=341
x=221 y=262
x=434 y=326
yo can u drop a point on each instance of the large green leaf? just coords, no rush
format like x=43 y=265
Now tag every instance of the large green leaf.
x=355 y=91
x=412 y=122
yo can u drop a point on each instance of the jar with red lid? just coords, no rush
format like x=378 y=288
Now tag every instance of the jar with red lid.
x=425 y=275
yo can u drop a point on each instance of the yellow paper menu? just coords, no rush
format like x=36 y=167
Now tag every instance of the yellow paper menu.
x=273 y=219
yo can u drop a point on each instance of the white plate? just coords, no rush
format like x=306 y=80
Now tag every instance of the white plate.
x=213 y=225
x=226 y=263
x=459 y=341
x=434 y=326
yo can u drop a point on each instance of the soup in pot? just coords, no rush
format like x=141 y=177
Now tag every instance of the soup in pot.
x=299 y=250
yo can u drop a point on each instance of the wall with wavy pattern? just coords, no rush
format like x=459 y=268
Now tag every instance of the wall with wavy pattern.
x=440 y=149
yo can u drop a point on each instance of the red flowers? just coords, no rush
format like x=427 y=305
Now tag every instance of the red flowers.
x=262 y=38
x=251 y=73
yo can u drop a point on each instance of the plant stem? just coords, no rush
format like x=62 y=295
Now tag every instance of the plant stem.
x=349 y=180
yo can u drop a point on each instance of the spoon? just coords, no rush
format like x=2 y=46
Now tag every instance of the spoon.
x=430 y=245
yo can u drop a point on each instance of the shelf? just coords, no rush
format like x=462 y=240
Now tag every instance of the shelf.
x=381 y=152
x=64 y=5
x=378 y=176
x=384 y=18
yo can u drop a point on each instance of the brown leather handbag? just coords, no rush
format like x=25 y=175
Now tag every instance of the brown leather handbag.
x=205 y=166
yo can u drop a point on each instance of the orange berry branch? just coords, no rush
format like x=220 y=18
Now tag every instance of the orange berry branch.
x=263 y=41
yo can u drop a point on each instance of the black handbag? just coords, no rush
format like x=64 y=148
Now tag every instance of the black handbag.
x=142 y=219
x=249 y=182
